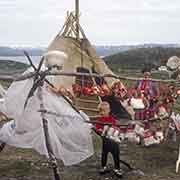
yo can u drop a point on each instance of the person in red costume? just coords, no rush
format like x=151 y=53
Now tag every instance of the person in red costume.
x=148 y=87
x=108 y=145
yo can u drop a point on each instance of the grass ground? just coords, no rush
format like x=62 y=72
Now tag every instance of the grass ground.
x=157 y=163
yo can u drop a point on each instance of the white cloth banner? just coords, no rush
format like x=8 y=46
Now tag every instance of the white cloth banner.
x=69 y=134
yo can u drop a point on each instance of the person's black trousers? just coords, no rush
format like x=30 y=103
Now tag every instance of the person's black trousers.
x=111 y=146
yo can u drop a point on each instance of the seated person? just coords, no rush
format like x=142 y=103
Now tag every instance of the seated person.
x=108 y=145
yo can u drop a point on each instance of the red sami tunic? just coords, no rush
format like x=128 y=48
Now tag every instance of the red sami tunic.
x=108 y=119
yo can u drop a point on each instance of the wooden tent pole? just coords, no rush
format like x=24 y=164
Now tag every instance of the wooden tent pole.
x=52 y=158
x=2 y=146
x=80 y=28
x=77 y=19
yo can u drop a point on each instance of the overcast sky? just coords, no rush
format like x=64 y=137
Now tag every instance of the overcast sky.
x=105 y=22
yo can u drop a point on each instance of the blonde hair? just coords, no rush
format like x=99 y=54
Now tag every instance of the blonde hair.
x=104 y=104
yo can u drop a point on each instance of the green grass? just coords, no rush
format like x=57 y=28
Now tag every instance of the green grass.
x=10 y=66
x=157 y=162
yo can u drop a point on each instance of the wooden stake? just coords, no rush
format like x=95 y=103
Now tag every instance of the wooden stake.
x=77 y=19
x=53 y=162
x=80 y=28
x=2 y=146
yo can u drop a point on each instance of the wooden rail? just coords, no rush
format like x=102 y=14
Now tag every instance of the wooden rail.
x=32 y=74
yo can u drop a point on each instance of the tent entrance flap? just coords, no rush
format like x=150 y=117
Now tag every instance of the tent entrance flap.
x=84 y=81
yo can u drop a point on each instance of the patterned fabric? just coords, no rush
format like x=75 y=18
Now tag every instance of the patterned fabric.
x=149 y=138
x=145 y=114
x=147 y=87
x=108 y=119
x=93 y=90
x=119 y=90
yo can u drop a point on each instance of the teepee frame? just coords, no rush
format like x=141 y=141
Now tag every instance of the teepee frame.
x=72 y=27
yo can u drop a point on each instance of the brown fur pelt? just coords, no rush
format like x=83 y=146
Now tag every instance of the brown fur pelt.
x=3 y=117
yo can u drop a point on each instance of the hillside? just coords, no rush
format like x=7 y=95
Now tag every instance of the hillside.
x=33 y=51
x=102 y=50
x=10 y=67
x=136 y=58
x=132 y=59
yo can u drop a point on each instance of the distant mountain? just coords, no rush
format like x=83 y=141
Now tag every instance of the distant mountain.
x=101 y=50
x=110 y=50
x=18 y=51
x=137 y=58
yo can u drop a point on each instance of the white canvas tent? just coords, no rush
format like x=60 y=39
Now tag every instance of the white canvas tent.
x=66 y=128
x=80 y=52
x=81 y=55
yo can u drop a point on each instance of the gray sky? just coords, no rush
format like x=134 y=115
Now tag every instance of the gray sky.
x=105 y=22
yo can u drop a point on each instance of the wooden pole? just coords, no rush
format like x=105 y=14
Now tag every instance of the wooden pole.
x=32 y=74
x=77 y=19
x=51 y=155
x=2 y=146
